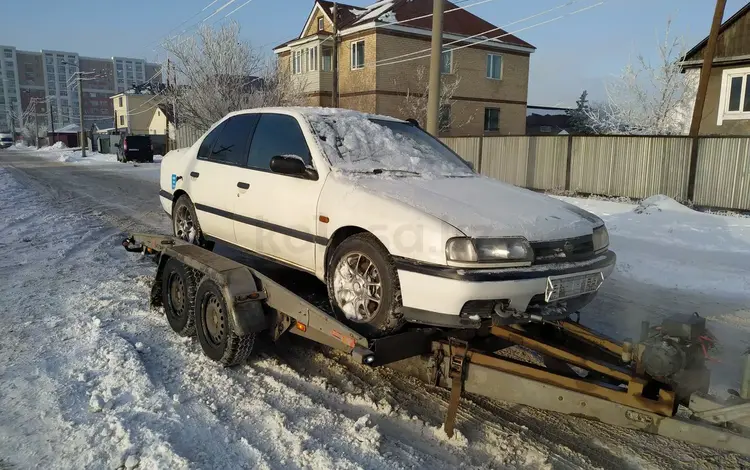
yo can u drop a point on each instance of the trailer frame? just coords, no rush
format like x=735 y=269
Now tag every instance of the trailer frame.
x=467 y=361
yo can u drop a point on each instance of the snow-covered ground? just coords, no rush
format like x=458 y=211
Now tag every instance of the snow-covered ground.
x=90 y=378
x=59 y=152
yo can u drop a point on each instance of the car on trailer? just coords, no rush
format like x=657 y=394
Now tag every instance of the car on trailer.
x=398 y=226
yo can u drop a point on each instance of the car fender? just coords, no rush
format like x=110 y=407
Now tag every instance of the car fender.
x=404 y=230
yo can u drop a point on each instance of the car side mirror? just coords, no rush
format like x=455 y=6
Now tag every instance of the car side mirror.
x=292 y=165
x=117 y=144
x=471 y=164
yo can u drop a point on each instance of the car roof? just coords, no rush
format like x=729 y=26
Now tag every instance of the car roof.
x=312 y=112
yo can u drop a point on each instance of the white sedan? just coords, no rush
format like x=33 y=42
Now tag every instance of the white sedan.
x=398 y=226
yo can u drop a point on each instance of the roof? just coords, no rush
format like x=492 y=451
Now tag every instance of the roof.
x=459 y=22
x=729 y=22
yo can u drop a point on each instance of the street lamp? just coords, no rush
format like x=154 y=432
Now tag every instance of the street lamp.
x=80 y=107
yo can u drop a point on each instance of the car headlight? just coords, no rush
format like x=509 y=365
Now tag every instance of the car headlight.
x=601 y=239
x=485 y=250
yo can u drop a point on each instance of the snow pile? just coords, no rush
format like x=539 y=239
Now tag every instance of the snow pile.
x=75 y=156
x=55 y=147
x=357 y=142
x=659 y=203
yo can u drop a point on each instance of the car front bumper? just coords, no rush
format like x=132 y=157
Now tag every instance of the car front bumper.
x=436 y=295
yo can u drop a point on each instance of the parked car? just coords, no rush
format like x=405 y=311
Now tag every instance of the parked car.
x=397 y=225
x=135 y=148
x=6 y=140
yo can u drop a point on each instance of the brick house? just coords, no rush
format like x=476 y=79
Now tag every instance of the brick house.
x=375 y=74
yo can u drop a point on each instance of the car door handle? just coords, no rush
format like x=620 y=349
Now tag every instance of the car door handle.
x=194 y=174
x=242 y=185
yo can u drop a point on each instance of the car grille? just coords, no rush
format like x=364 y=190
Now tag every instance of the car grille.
x=564 y=251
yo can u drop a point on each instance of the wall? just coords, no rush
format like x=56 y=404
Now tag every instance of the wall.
x=357 y=87
x=631 y=166
x=709 y=124
x=138 y=111
x=158 y=124
x=475 y=91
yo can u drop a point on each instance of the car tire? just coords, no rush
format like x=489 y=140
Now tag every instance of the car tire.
x=363 y=272
x=183 y=228
x=214 y=327
x=178 y=290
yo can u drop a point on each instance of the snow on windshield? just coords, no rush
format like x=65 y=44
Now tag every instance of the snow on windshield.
x=359 y=142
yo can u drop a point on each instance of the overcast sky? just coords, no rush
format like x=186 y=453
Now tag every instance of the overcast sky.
x=573 y=53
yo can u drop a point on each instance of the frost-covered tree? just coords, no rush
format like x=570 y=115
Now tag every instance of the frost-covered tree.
x=33 y=124
x=215 y=72
x=414 y=105
x=648 y=97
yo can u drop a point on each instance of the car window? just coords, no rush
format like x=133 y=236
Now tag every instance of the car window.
x=231 y=146
x=277 y=134
x=205 y=150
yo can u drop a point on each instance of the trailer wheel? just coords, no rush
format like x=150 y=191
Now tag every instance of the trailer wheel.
x=214 y=327
x=363 y=286
x=178 y=297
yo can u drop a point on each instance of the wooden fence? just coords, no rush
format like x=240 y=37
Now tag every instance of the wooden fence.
x=632 y=166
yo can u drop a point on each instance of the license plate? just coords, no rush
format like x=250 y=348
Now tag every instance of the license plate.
x=133 y=150
x=573 y=285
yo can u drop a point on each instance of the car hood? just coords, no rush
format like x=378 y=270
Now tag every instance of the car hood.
x=483 y=207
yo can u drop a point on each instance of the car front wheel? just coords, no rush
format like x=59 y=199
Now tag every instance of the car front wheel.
x=363 y=286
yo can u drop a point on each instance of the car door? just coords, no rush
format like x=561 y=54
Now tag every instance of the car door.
x=276 y=213
x=213 y=178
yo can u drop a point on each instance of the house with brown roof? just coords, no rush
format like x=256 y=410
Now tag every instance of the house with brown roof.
x=727 y=107
x=382 y=47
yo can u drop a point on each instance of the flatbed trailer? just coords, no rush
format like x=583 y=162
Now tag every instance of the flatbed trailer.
x=583 y=374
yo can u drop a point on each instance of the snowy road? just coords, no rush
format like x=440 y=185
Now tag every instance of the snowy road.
x=89 y=378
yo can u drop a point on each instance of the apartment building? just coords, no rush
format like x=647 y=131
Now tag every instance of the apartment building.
x=49 y=76
x=381 y=49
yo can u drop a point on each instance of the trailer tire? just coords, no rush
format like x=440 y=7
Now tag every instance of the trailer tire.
x=184 y=216
x=178 y=290
x=386 y=318
x=215 y=330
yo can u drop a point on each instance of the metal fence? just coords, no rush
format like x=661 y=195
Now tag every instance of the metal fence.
x=186 y=136
x=632 y=166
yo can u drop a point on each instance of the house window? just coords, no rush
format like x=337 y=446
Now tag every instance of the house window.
x=491 y=119
x=446 y=64
x=119 y=101
x=358 y=55
x=122 y=120
x=735 y=95
x=445 y=116
x=314 y=58
x=327 y=55
x=8 y=53
x=494 y=66
x=321 y=24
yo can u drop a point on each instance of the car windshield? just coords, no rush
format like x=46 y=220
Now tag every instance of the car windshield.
x=6 y=139
x=359 y=143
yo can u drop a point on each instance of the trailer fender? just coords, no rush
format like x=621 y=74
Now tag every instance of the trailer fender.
x=245 y=301
x=155 y=300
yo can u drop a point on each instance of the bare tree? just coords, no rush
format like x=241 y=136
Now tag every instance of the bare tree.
x=414 y=105
x=216 y=72
x=647 y=98
x=32 y=128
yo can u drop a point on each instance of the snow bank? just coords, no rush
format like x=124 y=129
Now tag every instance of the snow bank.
x=55 y=147
x=75 y=156
x=660 y=203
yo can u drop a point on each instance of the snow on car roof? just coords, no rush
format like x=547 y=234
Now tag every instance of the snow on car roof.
x=311 y=111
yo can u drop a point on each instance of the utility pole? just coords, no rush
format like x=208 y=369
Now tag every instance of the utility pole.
x=166 y=115
x=51 y=121
x=700 y=98
x=80 y=113
x=433 y=99
x=335 y=58
x=36 y=121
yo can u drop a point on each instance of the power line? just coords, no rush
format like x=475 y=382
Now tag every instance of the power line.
x=563 y=5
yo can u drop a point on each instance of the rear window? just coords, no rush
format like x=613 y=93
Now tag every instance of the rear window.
x=136 y=140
